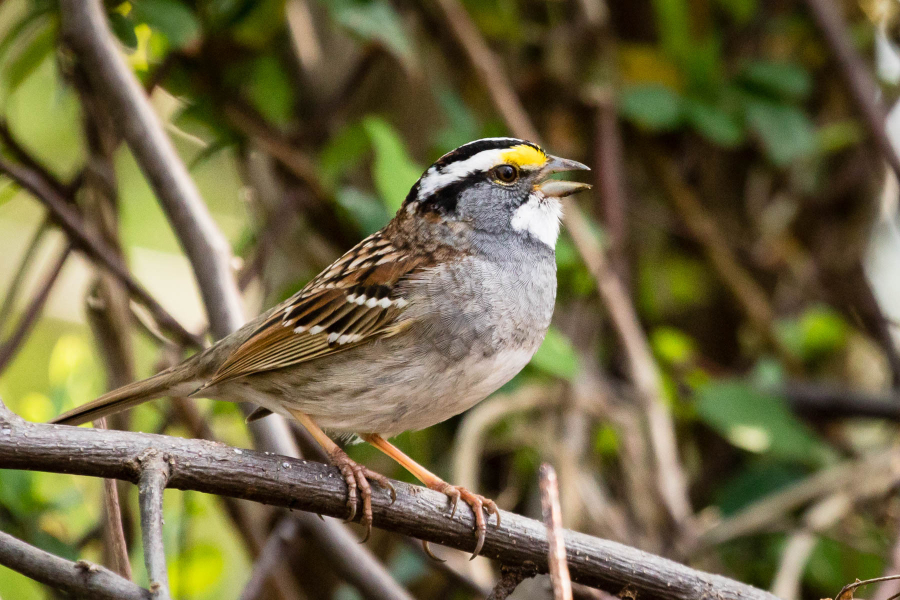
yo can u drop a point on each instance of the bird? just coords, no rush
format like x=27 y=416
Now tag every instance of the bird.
x=415 y=324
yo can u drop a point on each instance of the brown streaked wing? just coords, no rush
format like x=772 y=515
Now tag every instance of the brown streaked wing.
x=352 y=302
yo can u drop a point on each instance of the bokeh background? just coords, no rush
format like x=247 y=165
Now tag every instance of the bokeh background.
x=739 y=197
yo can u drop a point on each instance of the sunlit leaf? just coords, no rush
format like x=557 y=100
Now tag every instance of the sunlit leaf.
x=197 y=570
x=30 y=57
x=606 y=441
x=32 y=22
x=393 y=170
x=817 y=333
x=672 y=346
x=653 y=107
x=171 y=18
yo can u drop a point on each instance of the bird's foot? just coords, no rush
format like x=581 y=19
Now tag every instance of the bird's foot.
x=479 y=505
x=357 y=476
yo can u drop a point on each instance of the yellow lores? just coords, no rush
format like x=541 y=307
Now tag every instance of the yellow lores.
x=523 y=156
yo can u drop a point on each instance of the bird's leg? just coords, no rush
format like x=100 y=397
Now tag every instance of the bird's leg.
x=479 y=504
x=355 y=475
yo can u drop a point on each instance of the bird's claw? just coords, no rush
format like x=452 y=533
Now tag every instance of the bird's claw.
x=479 y=505
x=356 y=477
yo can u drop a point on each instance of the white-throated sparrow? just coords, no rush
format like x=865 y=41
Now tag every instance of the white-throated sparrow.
x=414 y=325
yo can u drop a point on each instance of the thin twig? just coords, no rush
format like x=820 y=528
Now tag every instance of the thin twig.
x=559 y=567
x=610 y=178
x=855 y=71
x=510 y=578
x=846 y=592
x=80 y=579
x=866 y=477
x=153 y=478
x=492 y=73
x=85 y=30
x=29 y=318
x=71 y=222
x=115 y=530
x=270 y=557
x=12 y=291
x=746 y=291
x=25 y=157
x=316 y=488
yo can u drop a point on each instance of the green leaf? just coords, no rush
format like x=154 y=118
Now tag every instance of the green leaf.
x=171 y=18
x=23 y=64
x=819 y=332
x=653 y=107
x=556 y=356
x=606 y=441
x=123 y=27
x=785 y=132
x=757 y=422
x=271 y=90
x=197 y=570
x=755 y=482
x=674 y=26
x=365 y=210
x=714 y=124
x=780 y=80
x=342 y=152
x=461 y=123
x=739 y=10
x=32 y=22
x=394 y=171
x=835 y=137
x=833 y=563
x=375 y=21
x=672 y=345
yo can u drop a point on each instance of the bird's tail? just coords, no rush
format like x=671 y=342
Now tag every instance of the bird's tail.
x=177 y=381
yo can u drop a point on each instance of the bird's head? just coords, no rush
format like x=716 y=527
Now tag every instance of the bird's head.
x=497 y=185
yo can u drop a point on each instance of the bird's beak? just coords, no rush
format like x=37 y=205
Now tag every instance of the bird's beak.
x=556 y=187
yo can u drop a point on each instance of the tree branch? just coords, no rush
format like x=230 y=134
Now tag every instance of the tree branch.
x=80 y=579
x=85 y=30
x=559 y=568
x=314 y=487
x=152 y=482
x=9 y=348
x=71 y=222
x=270 y=558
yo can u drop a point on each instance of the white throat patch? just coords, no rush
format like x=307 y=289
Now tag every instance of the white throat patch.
x=540 y=217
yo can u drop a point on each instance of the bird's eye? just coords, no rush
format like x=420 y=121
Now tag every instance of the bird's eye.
x=506 y=173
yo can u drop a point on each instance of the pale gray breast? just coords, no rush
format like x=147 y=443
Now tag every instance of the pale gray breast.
x=478 y=306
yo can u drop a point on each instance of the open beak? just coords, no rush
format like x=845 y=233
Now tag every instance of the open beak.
x=556 y=187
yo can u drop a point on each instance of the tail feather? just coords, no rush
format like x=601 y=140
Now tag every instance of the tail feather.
x=174 y=382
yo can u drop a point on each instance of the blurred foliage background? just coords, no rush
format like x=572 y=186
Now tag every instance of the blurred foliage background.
x=739 y=198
